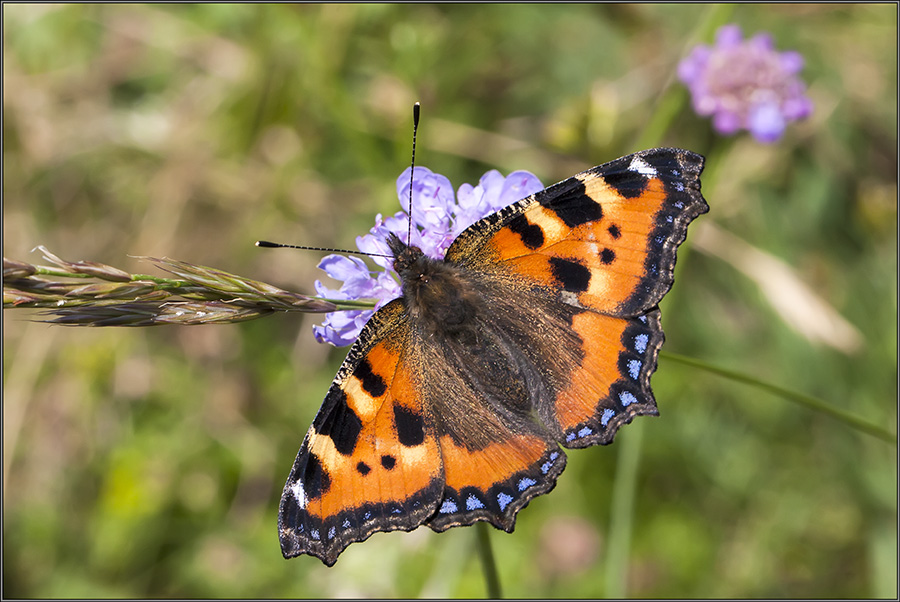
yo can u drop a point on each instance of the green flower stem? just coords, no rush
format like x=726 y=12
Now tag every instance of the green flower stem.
x=350 y=303
x=803 y=399
x=488 y=565
x=621 y=517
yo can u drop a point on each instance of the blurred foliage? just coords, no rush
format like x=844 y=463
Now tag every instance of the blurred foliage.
x=149 y=462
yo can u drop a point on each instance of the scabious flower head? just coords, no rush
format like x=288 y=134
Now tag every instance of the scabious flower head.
x=438 y=218
x=746 y=84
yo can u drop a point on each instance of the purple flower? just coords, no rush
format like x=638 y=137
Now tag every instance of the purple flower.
x=746 y=84
x=438 y=218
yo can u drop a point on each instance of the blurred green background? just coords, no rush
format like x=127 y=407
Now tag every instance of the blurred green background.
x=149 y=462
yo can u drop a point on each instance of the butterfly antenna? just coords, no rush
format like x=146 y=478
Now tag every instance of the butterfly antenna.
x=412 y=169
x=277 y=245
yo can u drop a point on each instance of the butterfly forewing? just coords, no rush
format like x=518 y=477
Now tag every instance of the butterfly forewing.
x=370 y=462
x=605 y=238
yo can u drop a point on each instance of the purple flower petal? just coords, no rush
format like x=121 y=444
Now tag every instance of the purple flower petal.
x=726 y=123
x=766 y=122
x=761 y=42
x=340 y=328
x=797 y=108
x=491 y=185
x=705 y=104
x=432 y=196
x=403 y=184
x=518 y=185
x=693 y=66
x=341 y=267
x=728 y=36
x=438 y=219
x=791 y=62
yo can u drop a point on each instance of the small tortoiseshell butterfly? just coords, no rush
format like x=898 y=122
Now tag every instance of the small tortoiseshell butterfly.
x=539 y=328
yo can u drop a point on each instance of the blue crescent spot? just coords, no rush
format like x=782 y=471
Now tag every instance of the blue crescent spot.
x=367 y=515
x=640 y=343
x=570 y=437
x=314 y=534
x=545 y=467
x=634 y=368
x=679 y=187
x=473 y=503
x=331 y=533
x=525 y=483
x=585 y=431
x=627 y=398
x=397 y=511
x=448 y=507
x=346 y=524
x=607 y=414
x=504 y=500
x=643 y=319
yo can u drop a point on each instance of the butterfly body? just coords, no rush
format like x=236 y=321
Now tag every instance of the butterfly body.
x=539 y=328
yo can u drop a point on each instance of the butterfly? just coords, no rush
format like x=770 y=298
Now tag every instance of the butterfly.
x=538 y=329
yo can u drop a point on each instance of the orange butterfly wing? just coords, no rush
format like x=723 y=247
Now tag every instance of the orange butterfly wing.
x=602 y=242
x=606 y=237
x=370 y=460
x=377 y=459
x=422 y=426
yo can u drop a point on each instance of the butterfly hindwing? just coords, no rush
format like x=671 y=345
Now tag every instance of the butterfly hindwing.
x=612 y=383
x=476 y=383
x=494 y=483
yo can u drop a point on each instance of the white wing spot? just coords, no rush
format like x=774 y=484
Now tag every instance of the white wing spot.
x=570 y=298
x=299 y=495
x=642 y=167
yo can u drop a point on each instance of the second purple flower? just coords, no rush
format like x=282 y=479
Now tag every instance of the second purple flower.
x=746 y=84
